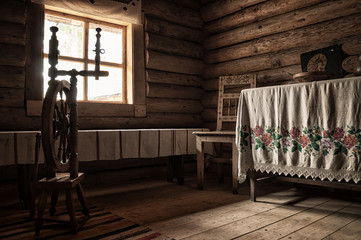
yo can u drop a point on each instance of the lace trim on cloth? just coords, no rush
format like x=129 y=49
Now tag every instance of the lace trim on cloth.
x=306 y=172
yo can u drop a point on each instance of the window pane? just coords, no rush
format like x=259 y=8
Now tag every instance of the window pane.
x=111 y=41
x=70 y=35
x=106 y=88
x=65 y=65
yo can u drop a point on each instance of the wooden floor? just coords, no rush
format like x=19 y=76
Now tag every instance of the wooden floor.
x=182 y=212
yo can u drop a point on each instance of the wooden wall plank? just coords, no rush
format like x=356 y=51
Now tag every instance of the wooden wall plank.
x=181 y=142
x=167 y=105
x=109 y=145
x=149 y=144
x=173 y=13
x=255 y=13
x=11 y=97
x=12 y=11
x=130 y=144
x=222 y=8
x=173 y=46
x=13 y=77
x=164 y=28
x=87 y=146
x=12 y=55
x=335 y=29
x=12 y=33
x=194 y=4
x=166 y=143
x=98 y=109
x=156 y=90
x=173 y=78
x=171 y=63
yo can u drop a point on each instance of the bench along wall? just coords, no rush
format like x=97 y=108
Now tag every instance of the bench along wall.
x=267 y=38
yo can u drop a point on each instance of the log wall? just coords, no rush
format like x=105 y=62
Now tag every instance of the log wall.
x=174 y=52
x=266 y=37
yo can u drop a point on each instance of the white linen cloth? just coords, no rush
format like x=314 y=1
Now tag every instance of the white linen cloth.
x=308 y=129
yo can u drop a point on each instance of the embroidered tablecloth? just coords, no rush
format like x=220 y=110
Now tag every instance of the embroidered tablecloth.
x=308 y=129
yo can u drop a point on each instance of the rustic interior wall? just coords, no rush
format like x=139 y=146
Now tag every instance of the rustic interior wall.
x=267 y=38
x=174 y=51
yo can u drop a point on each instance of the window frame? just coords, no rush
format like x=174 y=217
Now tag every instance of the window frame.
x=136 y=92
x=85 y=60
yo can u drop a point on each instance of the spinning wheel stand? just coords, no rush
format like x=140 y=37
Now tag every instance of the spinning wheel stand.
x=59 y=137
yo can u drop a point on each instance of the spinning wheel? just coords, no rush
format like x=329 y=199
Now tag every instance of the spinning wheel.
x=56 y=126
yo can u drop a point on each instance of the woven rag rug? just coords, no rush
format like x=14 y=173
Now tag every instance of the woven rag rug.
x=101 y=224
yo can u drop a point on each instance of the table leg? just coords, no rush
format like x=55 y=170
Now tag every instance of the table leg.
x=200 y=163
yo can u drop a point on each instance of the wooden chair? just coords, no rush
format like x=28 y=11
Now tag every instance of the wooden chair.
x=228 y=96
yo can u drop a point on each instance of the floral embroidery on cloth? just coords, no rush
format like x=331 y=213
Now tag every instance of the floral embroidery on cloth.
x=308 y=141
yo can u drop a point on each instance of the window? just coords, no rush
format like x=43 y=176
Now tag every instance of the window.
x=77 y=39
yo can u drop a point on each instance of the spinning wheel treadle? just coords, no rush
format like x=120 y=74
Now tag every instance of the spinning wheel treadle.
x=56 y=125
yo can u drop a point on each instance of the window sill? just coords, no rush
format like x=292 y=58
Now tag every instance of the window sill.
x=94 y=109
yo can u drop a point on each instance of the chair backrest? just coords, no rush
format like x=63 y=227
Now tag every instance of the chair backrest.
x=228 y=95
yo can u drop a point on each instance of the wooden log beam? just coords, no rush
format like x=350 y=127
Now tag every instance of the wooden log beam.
x=12 y=11
x=176 y=64
x=277 y=76
x=173 y=46
x=12 y=33
x=292 y=20
x=14 y=119
x=11 y=97
x=155 y=76
x=259 y=62
x=12 y=77
x=255 y=13
x=168 y=29
x=312 y=35
x=210 y=84
x=12 y=55
x=166 y=105
x=210 y=99
x=222 y=8
x=196 y=5
x=155 y=90
x=173 y=13
x=209 y=115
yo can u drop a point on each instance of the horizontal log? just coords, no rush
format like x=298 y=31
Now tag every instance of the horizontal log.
x=277 y=76
x=171 y=63
x=210 y=125
x=173 y=46
x=210 y=99
x=352 y=45
x=12 y=11
x=14 y=119
x=196 y=5
x=13 y=77
x=11 y=97
x=168 y=29
x=153 y=120
x=292 y=20
x=209 y=115
x=260 y=62
x=173 y=13
x=349 y=63
x=312 y=35
x=255 y=13
x=166 y=105
x=97 y=109
x=12 y=33
x=155 y=76
x=222 y=8
x=12 y=55
x=210 y=84
x=155 y=90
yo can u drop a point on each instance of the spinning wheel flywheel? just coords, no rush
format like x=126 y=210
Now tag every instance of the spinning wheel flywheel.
x=56 y=126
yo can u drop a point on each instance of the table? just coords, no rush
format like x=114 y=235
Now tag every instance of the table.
x=308 y=129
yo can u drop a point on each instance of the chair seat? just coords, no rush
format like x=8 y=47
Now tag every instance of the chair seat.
x=211 y=133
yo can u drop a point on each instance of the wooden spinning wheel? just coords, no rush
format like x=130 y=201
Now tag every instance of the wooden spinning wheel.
x=56 y=126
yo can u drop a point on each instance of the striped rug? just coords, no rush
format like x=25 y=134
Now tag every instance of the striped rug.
x=101 y=224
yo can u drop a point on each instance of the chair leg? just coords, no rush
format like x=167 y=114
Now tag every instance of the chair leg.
x=82 y=200
x=41 y=209
x=71 y=210
x=54 y=200
x=220 y=173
